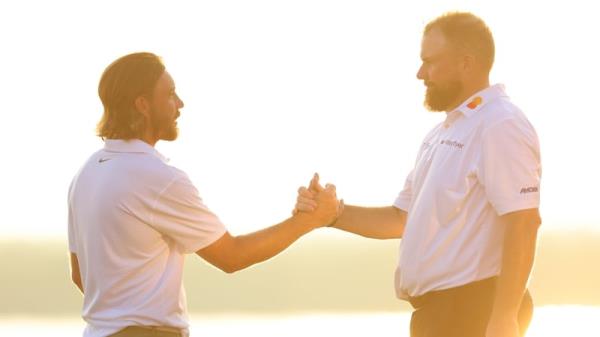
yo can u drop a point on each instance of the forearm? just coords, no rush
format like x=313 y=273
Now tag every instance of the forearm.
x=372 y=222
x=264 y=244
x=517 y=261
x=231 y=254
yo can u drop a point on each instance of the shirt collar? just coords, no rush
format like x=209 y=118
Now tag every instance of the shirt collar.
x=480 y=99
x=132 y=146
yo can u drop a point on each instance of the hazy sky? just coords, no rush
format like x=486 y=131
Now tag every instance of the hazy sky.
x=276 y=90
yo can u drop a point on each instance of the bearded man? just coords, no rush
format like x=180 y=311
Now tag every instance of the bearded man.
x=133 y=217
x=468 y=213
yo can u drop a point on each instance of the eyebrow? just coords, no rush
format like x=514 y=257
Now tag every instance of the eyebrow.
x=429 y=58
x=426 y=58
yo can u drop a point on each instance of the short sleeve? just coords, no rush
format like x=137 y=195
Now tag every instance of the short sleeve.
x=180 y=214
x=404 y=197
x=510 y=166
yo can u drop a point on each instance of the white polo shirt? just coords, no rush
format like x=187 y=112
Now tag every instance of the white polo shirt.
x=132 y=218
x=483 y=161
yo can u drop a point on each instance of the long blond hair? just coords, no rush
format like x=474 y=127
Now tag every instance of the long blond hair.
x=121 y=83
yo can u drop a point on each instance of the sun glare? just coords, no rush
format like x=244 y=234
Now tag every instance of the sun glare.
x=561 y=321
x=275 y=91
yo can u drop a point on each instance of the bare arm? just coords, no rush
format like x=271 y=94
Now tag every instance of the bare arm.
x=517 y=260
x=233 y=253
x=372 y=222
x=75 y=273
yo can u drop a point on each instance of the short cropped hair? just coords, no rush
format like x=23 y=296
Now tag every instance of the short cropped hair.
x=468 y=32
x=121 y=83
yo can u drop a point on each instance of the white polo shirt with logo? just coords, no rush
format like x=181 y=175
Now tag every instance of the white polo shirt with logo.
x=482 y=162
x=132 y=218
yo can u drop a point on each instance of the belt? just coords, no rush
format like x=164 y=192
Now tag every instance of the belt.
x=464 y=290
x=167 y=329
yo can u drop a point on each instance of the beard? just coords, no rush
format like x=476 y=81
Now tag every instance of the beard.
x=440 y=97
x=164 y=127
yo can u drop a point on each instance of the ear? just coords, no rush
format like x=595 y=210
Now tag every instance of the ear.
x=142 y=105
x=468 y=63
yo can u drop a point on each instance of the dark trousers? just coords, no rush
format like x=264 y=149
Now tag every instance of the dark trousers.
x=461 y=312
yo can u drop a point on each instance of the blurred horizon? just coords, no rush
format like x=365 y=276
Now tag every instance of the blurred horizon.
x=319 y=273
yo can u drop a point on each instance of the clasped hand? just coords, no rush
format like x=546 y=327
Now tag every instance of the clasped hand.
x=318 y=203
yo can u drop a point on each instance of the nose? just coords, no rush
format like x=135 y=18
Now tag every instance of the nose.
x=421 y=73
x=179 y=102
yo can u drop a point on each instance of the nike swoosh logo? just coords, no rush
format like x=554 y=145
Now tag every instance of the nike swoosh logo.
x=102 y=160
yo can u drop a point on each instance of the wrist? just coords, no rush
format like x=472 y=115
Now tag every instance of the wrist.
x=339 y=214
x=304 y=221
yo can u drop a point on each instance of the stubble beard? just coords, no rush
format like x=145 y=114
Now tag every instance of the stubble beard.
x=440 y=97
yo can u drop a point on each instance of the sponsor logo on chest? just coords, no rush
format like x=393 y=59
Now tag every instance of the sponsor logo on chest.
x=452 y=143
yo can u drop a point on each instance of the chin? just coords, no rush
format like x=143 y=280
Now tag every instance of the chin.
x=439 y=102
x=171 y=138
x=434 y=106
x=171 y=135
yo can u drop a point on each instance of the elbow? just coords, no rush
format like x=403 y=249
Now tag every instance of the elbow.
x=228 y=268
x=226 y=254
x=228 y=264
x=235 y=258
x=232 y=267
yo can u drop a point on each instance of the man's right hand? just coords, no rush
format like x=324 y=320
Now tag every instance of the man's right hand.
x=317 y=203
x=306 y=200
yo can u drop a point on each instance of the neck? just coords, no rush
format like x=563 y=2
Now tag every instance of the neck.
x=469 y=89
x=149 y=138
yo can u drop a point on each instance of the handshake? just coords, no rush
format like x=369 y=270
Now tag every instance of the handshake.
x=318 y=206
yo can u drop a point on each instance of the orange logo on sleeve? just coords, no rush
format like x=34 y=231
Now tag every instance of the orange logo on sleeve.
x=475 y=102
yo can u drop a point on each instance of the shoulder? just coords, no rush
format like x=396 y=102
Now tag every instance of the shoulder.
x=165 y=173
x=86 y=169
x=506 y=129
x=149 y=172
x=500 y=109
x=502 y=115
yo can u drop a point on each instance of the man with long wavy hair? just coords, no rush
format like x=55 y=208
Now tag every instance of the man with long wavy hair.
x=133 y=217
